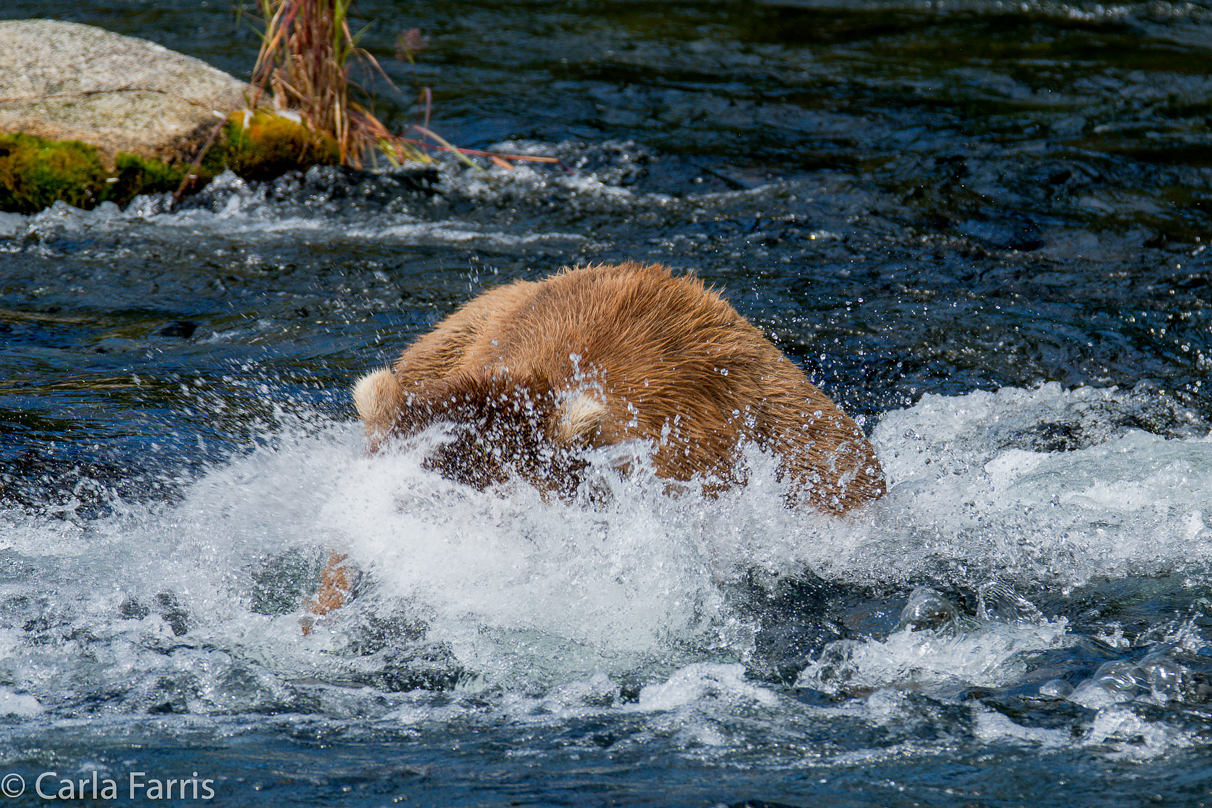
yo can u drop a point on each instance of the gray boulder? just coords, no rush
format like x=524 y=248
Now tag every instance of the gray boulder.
x=66 y=81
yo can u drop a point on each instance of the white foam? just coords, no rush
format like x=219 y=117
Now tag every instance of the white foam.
x=20 y=705
x=523 y=590
x=694 y=684
x=516 y=576
x=1131 y=504
x=993 y=727
x=990 y=655
x=1127 y=734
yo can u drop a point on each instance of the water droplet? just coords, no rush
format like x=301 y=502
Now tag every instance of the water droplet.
x=926 y=609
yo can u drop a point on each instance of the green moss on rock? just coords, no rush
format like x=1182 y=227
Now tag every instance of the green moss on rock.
x=263 y=145
x=135 y=175
x=35 y=173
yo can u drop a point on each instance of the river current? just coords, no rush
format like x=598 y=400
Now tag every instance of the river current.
x=979 y=226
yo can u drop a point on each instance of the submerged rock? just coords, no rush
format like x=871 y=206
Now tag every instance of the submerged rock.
x=67 y=81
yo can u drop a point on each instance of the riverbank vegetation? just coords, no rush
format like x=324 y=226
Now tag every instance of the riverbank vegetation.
x=308 y=52
x=36 y=172
x=303 y=108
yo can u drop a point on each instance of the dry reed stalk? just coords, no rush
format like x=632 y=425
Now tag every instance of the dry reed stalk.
x=305 y=59
x=306 y=54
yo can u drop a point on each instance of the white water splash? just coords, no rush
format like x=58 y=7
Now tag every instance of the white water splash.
x=962 y=490
x=518 y=589
x=933 y=661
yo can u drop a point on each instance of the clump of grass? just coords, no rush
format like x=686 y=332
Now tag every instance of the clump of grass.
x=307 y=52
x=306 y=55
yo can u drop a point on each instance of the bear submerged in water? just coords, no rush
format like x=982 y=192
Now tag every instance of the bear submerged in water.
x=533 y=373
x=530 y=375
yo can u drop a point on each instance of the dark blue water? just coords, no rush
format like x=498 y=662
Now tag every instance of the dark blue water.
x=980 y=227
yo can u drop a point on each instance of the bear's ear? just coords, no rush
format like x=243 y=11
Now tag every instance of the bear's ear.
x=377 y=397
x=578 y=419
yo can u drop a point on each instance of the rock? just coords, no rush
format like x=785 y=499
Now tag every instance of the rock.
x=88 y=116
x=178 y=328
x=67 y=81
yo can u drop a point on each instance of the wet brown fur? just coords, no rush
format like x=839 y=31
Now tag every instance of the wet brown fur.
x=593 y=356
x=532 y=373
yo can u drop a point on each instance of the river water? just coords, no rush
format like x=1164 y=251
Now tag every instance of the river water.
x=979 y=226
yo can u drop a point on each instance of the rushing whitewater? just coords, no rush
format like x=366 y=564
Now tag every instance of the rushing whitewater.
x=194 y=605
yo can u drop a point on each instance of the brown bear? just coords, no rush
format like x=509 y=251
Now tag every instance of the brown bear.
x=533 y=373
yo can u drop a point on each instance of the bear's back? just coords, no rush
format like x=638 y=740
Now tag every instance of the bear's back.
x=601 y=354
